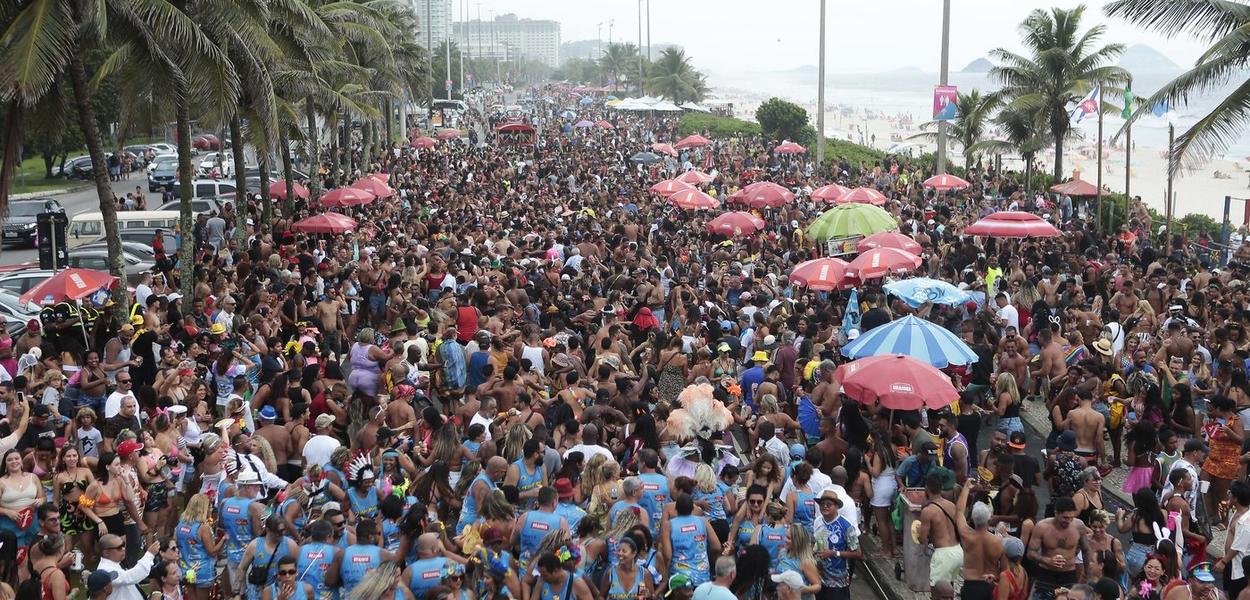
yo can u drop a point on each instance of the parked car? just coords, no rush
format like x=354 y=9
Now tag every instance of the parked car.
x=161 y=159
x=206 y=188
x=140 y=250
x=98 y=259
x=13 y=309
x=20 y=282
x=164 y=175
x=206 y=141
x=163 y=148
x=140 y=153
x=144 y=236
x=19 y=226
x=199 y=206
x=78 y=167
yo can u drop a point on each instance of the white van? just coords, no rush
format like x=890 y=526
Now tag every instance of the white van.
x=88 y=227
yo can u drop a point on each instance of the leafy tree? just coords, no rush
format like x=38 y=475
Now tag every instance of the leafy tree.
x=782 y=120
x=620 y=59
x=1023 y=134
x=675 y=78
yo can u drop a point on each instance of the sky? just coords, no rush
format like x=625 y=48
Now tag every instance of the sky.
x=861 y=36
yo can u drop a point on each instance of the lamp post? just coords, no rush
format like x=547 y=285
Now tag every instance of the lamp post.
x=946 y=40
x=641 y=85
x=820 y=96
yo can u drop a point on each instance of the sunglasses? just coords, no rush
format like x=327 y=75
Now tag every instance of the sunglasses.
x=338 y=523
x=122 y=381
x=286 y=572
x=756 y=501
x=117 y=547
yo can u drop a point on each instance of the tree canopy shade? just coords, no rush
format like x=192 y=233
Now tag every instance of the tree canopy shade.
x=782 y=120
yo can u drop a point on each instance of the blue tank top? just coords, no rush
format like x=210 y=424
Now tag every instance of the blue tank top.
x=546 y=593
x=473 y=446
x=790 y=563
x=468 y=512
x=716 y=503
x=358 y=559
x=328 y=468
x=621 y=505
x=426 y=574
x=746 y=529
x=527 y=481
x=234 y=519
x=804 y=508
x=297 y=594
x=263 y=558
x=313 y=564
x=390 y=534
x=617 y=592
x=573 y=515
x=534 y=529
x=191 y=549
x=299 y=521
x=477 y=363
x=364 y=506
x=773 y=539
x=688 y=538
x=655 y=495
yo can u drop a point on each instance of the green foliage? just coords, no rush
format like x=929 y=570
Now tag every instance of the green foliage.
x=782 y=120
x=1194 y=223
x=675 y=78
x=836 y=150
x=716 y=126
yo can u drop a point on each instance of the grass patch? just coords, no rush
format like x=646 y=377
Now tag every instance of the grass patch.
x=30 y=178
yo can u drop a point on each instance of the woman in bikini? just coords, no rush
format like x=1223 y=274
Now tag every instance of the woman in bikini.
x=103 y=501
x=20 y=495
x=68 y=485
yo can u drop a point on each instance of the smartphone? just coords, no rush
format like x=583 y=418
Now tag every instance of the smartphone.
x=21 y=397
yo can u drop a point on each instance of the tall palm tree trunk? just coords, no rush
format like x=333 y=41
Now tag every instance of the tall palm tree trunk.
x=108 y=208
x=1059 y=130
x=266 y=205
x=390 y=122
x=314 y=160
x=9 y=159
x=186 y=247
x=240 y=182
x=288 y=207
x=345 y=145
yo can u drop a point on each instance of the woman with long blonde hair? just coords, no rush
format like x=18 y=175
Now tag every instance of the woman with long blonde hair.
x=496 y=511
x=1007 y=403
x=799 y=557
x=514 y=443
x=606 y=493
x=197 y=546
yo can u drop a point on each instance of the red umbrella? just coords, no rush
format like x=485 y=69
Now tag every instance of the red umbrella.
x=829 y=193
x=735 y=224
x=862 y=195
x=1076 y=187
x=766 y=194
x=877 y=262
x=448 y=134
x=602 y=124
x=1010 y=223
x=375 y=187
x=424 y=142
x=789 y=148
x=695 y=177
x=327 y=222
x=897 y=381
x=383 y=177
x=693 y=199
x=822 y=274
x=945 y=182
x=348 y=196
x=668 y=187
x=277 y=190
x=663 y=149
x=692 y=141
x=70 y=284
x=889 y=239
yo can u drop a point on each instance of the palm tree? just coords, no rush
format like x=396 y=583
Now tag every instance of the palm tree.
x=1023 y=134
x=1221 y=23
x=1061 y=66
x=674 y=78
x=619 y=59
x=973 y=110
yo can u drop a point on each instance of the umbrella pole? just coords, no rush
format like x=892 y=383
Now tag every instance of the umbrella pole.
x=81 y=325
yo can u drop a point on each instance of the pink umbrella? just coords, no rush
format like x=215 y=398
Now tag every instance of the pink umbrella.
x=277 y=190
x=373 y=186
x=695 y=177
x=889 y=239
x=346 y=196
x=766 y=194
x=862 y=195
x=736 y=224
x=1010 y=223
x=692 y=141
x=789 y=148
x=424 y=142
x=602 y=124
x=668 y=187
x=328 y=222
x=448 y=134
x=693 y=199
x=70 y=284
x=945 y=182
x=829 y=193
x=821 y=275
x=897 y=381
x=383 y=177
x=877 y=262
x=664 y=149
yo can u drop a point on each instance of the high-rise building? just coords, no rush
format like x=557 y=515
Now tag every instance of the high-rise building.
x=511 y=38
x=434 y=19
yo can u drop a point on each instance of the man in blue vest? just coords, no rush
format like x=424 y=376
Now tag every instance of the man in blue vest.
x=655 y=487
x=354 y=561
x=568 y=507
x=425 y=573
x=534 y=526
x=243 y=518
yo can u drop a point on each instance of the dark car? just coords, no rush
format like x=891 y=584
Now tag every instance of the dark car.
x=19 y=227
x=77 y=168
x=164 y=176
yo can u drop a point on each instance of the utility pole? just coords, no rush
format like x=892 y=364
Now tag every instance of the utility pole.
x=1128 y=154
x=1167 y=200
x=611 y=23
x=648 y=30
x=946 y=42
x=1098 y=180
x=447 y=43
x=641 y=74
x=820 y=96
x=479 y=35
x=494 y=46
x=464 y=42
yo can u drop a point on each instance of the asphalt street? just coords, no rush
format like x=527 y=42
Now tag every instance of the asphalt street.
x=83 y=199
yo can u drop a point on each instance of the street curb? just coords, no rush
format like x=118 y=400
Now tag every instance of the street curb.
x=51 y=192
x=880 y=567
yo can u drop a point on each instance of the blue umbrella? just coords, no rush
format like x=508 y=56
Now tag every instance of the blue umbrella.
x=568 y=114
x=915 y=337
x=586 y=100
x=918 y=290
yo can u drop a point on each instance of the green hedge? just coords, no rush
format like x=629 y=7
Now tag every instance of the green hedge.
x=716 y=126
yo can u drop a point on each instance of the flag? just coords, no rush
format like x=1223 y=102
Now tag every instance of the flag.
x=850 y=317
x=1161 y=108
x=1088 y=105
x=1128 y=102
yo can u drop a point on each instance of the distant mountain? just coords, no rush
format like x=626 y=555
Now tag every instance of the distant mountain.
x=980 y=65
x=1140 y=57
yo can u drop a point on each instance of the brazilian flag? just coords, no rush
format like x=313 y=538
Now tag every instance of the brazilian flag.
x=1128 y=101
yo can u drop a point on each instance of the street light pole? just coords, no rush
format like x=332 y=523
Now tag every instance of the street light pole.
x=648 y=30
x=946 y=39
x=464 y=33
x=820 y=96
x=640 y=67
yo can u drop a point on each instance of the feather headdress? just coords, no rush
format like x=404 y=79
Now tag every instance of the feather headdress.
x=360 y=468
x=701 y=415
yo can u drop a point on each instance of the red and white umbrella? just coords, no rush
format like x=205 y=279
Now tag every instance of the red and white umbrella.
x=692 y=141
x=693 y=199
x=862 y=195
x=602 y=124
x=70 y=284
x=329 y=222
x=789 y=148
x=766 y=194
x=375 y=187
x=1011 y=223
x=735 y=224
x=829 y=193
x=945 y=182
x=821 y=274
x=277 y=190
x=448 y=134
x=695 y=177
x=383 y=177
x=668 y=187
x=889 y=239
x=664 y=149
x=346 y=196
x=424 y=142
x=877 y=262
x=897 y=381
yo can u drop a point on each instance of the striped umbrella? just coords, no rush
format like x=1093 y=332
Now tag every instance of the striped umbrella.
x=920 y=339
x=918 y=290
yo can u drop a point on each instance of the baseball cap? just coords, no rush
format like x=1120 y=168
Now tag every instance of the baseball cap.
x=33 y=325
x=324 y=420
x=797 y=451
x=1013 y=547
x=929 y=448
x=1017 y=440
x=678 y=582
x=1067 y=441
x=99 y=580
x=790 y=578
x=128 y=447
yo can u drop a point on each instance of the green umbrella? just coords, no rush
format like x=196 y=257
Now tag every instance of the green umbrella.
x=850 y=220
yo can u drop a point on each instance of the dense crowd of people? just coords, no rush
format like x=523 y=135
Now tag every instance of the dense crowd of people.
x=503 y=383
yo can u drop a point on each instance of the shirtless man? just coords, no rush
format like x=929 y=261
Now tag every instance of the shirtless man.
x=327 y=311
x=400 y=416
x=1049 y=287
x=983 y=550
x=1088 y=425
x=1012 y=361
x=832 y=448
x=1051 y=364
x=505 y=391
x=1177 y=343
x=826 y=393
x=937 y=527
x=367 y=437
x=1053 y=545
x=279 y=439
x=1126 y=299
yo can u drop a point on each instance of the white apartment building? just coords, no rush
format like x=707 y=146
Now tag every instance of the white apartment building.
x=434 y=18
x=511 y=38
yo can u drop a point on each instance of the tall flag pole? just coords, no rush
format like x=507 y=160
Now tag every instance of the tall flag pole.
x=1128 y=145
x=1098 y=200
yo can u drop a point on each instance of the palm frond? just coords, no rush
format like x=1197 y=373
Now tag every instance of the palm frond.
x=34 y=49
x=1205 y=19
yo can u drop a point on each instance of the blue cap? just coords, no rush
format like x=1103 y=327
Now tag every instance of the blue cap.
x=798 y=451
x=268 y=413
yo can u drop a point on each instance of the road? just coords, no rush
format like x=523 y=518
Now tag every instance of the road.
x=84 y=200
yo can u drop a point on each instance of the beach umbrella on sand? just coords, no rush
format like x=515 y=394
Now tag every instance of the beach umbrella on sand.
x=919 y=290
x=375 y=187
x=603 y=124
x=920 y=339
x=851 y=220
x=897 y=381
x=70 y=284
x=789 y=148
x=692 y=141
x=765 y=194
x=449 y=134
x=1076 y=187
x=821 y=274
x=695 y=177
x=889 y=239
x=424 y=142
x=945 y=182
x=646 y=158
x=664 y=149
x=693 y=199
x=862 y=195
x=735 y=224
x=829 y=193
x=346 y=196
x=277 y=190
x=879 y=262
x=668 y=187
x=1012 y=223
x=328 y=222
